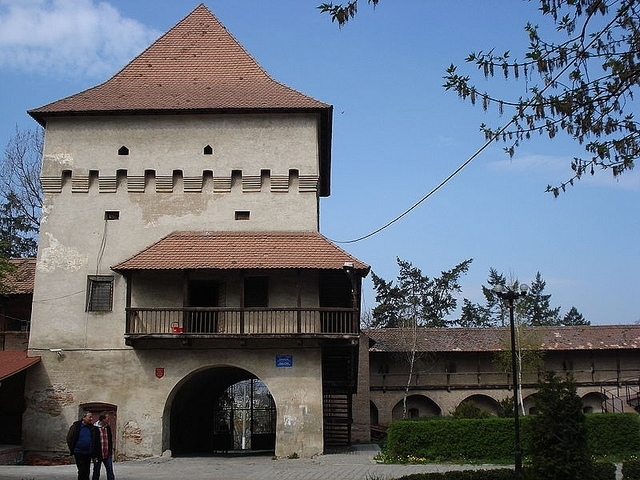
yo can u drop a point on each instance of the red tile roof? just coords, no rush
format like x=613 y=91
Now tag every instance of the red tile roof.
x=593 y=337
x=236 y=250
x=196 y=67
x=12 y=362
x=20 y=280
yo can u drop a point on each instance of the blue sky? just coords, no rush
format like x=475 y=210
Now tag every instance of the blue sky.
x=396 y=133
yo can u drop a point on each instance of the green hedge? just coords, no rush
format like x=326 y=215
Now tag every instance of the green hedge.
x=631 y=470
x=613 y=434
x=497 y=474
x=490 y=440
x=601 y=471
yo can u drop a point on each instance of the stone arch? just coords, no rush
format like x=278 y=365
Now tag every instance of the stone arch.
x=592 y=402
x=529 y=404
x=419 y=405
x=374 y=414
x=192 y=414
x=484 y=402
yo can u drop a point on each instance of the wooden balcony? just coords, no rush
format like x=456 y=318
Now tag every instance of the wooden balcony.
x=203 y=323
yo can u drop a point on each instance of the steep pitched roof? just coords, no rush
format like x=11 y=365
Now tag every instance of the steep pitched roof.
x=236 y=250
x=592 y=337
x=196 y=66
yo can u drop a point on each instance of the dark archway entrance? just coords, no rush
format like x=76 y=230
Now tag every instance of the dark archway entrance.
x=220 y=410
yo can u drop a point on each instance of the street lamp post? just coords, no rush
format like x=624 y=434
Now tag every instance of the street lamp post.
x=510 y=295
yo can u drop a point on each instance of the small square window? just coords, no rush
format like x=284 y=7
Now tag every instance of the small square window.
x=242 y=215
x=99 y=293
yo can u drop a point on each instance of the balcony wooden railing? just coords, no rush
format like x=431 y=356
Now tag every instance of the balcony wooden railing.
x=202 y=322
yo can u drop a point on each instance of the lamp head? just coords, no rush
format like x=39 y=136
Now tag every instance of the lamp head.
x=499 y=289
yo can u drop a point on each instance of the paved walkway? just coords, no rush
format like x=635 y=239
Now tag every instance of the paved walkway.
x=357 y=464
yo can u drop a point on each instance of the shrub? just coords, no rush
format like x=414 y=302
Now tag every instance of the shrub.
x=495 y=474
x=631 y=469
x=616 y=434
x=558 y=436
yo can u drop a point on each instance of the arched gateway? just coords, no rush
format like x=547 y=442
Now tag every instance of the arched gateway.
x=220 y=410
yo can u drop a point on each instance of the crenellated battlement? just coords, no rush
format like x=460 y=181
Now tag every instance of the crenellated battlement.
x=153 y=182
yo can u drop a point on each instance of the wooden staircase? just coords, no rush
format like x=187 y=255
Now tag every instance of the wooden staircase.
x=339 y=382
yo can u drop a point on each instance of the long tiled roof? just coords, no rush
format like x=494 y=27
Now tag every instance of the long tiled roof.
x=595 y=337
x=236 y=250
x=21 y=279
x=196 y=66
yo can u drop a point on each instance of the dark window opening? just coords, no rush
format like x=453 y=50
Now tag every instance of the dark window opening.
x=99 y=293
x=112 y=215
x=243 y=215
x=256 y=292
x=123 y=150
x=208 y=150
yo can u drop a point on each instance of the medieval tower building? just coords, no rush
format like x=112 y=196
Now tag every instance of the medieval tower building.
x=181 y=281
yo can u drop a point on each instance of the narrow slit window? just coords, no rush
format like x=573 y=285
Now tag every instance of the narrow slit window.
x=123 y=150
x=243 y=215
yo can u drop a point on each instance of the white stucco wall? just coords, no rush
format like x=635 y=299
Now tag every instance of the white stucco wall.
x=126 y=378
x=84 y=177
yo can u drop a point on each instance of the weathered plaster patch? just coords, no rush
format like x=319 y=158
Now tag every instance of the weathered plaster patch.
x=132 y=432
x=52 y=400
x=57 y=255
x=61 y=159
x=44 y=213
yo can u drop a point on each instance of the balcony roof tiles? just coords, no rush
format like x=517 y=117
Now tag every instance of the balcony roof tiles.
x=241 y=250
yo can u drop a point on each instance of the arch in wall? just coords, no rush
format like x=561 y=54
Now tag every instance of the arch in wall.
x=484 y=402
x=592 y=402
x=219 y=410
x=529 y=403
x=418 y=406
x=374 y=417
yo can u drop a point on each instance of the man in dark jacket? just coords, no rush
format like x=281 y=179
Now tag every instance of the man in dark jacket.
x=104 y=448
x=81 y=442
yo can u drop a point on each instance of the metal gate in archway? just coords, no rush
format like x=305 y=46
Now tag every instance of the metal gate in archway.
x=245 y=418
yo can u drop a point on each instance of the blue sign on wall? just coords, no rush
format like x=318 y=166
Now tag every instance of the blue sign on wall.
x=284 y=361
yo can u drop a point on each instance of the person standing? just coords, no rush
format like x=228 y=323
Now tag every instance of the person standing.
x=80 y=440
x=104 y=448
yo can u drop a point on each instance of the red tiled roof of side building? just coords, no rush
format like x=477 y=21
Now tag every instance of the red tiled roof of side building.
x=236 y=250
x=583 y=337
x=20 y=280
x=14 y=361
x=196 y=66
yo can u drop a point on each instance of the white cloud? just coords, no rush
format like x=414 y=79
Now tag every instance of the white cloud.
x=66 y=38
x=558 y=167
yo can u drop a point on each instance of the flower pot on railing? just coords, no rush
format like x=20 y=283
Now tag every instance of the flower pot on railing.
x=176 y=328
